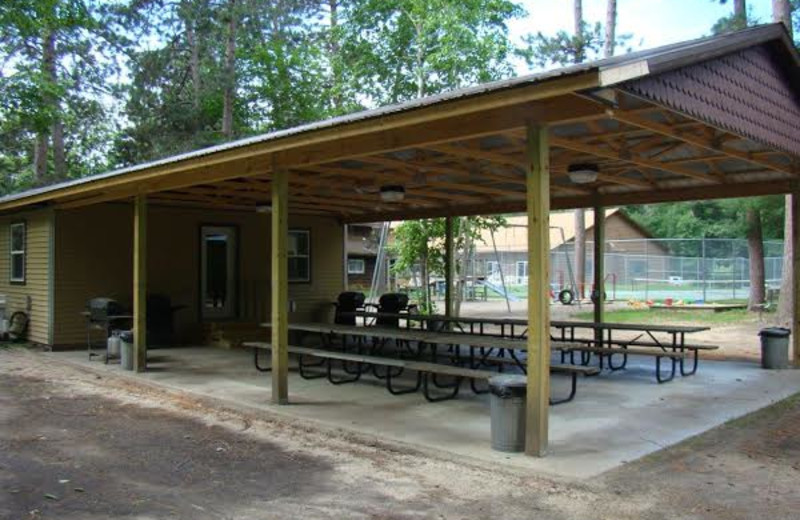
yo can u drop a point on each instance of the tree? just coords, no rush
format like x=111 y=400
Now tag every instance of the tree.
x=401 y=50
x=580 y=213
x=782 y=13
x=611 y=29
x=738 y=19
x=421 y=244
x=57 y=55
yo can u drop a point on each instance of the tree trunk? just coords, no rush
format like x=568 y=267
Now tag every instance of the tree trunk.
x=50 y=106
x=426 y=296
x=40 y=157
x=333 y=57
x=755 y=249
x=580 y=252
x=194 y=62
x=782 y=12
x=785 y=313
x=579 y=43
x=462 y=273
x=229 y=93
x=420 y=60
x=611 y=28
x=59 y=154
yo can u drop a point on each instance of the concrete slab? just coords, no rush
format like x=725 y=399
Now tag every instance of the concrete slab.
x=616 y=417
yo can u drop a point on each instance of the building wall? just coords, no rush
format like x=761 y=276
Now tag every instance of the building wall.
x=39 y=231
x=361 y=282
x=94 y=258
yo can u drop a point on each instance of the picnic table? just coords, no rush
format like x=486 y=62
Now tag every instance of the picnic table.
x=604 y=344
x=483 y=351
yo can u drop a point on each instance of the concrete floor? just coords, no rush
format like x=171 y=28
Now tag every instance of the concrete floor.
x=615 y=418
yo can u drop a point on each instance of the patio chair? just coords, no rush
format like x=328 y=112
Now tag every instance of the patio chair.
x=392 y=303
x=346 y=304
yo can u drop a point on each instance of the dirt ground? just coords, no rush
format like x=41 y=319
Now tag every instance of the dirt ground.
x=74 y=445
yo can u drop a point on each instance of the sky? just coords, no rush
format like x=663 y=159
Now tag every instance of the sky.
x=651 y=23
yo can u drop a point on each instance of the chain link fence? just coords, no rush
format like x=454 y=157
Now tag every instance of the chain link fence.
x=693 y=270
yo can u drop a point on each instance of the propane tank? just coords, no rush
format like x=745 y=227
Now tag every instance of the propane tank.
x=114 y=344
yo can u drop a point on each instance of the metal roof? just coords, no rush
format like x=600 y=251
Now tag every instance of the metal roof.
x=611 y=70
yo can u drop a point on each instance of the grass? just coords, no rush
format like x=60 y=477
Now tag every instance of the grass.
x=666 y=316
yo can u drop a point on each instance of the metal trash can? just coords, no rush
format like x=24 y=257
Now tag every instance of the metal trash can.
x=507 y=410
x=126 y=350
x=774 y=347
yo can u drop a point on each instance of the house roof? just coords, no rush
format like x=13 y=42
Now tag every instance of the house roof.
x=707 y=118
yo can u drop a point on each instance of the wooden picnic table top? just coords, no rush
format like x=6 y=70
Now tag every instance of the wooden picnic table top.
x=561 y=324
x=425 y=336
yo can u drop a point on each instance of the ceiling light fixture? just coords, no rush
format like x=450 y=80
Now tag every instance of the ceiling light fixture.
x=582 y=173
x=392 y=193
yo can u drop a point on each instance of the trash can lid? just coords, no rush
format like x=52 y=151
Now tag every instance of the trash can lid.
x=775 y=332
x=126 y=336
x=508 y=385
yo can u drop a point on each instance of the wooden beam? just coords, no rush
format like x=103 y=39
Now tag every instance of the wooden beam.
x=599 y=151
x=280 y=287
x=448 y=266
x=706 y=144
x=140 y=283
x=538 y=207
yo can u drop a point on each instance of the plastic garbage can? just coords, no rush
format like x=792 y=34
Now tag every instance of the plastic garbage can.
x=774 y=347
x=126 y=350
x=507 y=411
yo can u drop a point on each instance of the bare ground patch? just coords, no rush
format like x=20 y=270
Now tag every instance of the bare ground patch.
x=75 y=445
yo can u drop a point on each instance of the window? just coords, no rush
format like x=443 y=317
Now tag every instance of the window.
x=18 y=244
x=522 y=270
x=492 y=269
x=356 y=266
x=299 y=255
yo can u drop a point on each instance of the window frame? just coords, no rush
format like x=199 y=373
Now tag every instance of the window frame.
x=23 y=252
x=363 y=263
x=308 y=256
x=524 y=265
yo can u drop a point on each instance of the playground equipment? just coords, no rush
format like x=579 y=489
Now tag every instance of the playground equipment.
x=567 y=295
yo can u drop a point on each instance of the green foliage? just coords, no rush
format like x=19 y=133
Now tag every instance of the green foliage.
x=421 y=243
x=35 y=97
x=565 y=48
x=710 y=218
x=395 y=51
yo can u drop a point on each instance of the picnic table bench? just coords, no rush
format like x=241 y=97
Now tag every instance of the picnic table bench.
x=604 y=344
x=426 y=370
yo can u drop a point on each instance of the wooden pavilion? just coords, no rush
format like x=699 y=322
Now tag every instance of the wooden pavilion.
x=711 y=118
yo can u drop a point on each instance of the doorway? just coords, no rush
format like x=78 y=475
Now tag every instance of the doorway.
x=218 y=273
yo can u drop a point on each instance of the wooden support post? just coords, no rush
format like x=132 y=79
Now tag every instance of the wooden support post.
x=795 y=238
x=599 y=266
x=448 y=266
x=538 y=203
x=280 y=286
x=346 y=258
x=140 y=283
